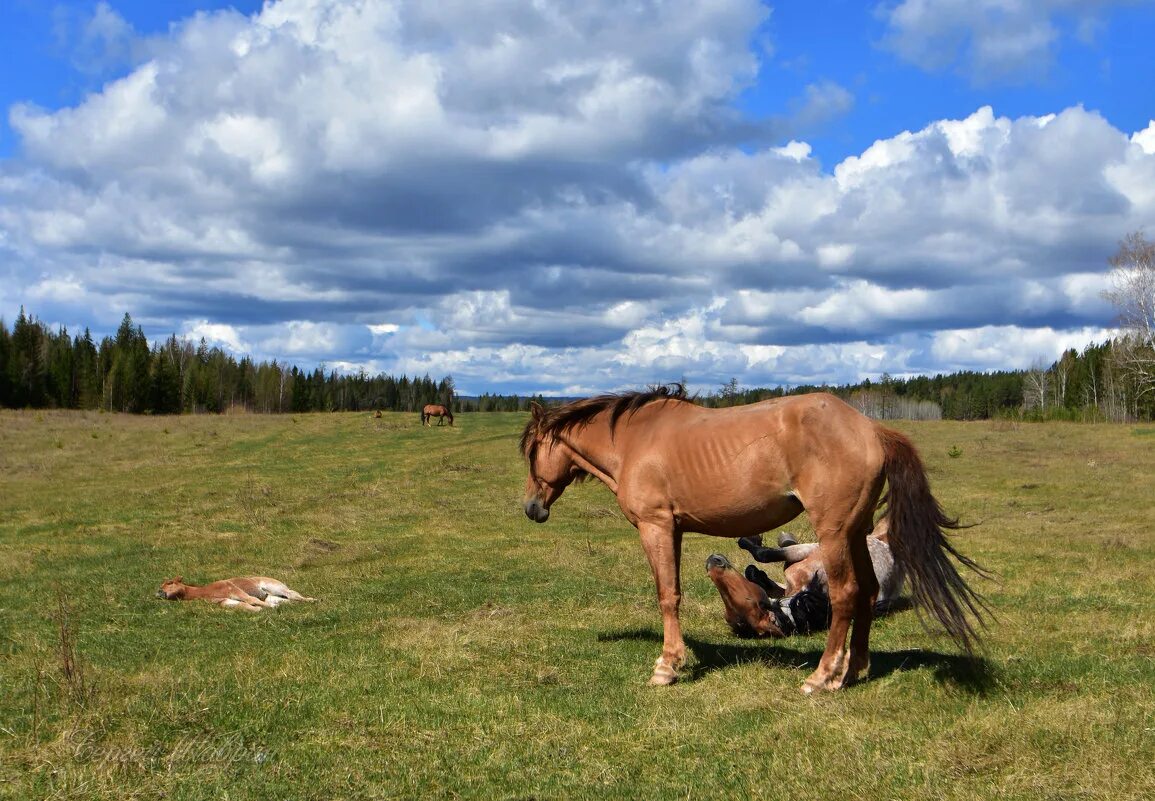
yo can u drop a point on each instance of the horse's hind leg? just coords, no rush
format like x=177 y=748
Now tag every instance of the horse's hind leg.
x=286 y=592
x=852 y=587
x=293 y=595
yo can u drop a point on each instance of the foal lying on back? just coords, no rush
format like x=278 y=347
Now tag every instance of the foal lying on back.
x=251 y=593
x=757 y=606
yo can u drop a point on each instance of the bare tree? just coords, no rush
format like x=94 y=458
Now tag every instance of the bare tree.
x=1061 y=371
x=1133 y=295
x=1035 y=384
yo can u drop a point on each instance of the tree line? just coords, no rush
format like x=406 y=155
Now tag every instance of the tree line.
x=40 y=368
x=1097 y=384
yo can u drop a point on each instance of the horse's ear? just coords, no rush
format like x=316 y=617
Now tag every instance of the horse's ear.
x=179 y=579
x=536 y=410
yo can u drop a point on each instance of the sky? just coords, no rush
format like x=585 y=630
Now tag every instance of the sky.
x=566 y=198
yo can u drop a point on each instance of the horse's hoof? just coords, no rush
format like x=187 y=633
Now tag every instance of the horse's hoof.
x=811 y=688
x=663 y=679
x=664 y=675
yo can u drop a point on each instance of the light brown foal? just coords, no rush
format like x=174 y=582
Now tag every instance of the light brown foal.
x=676 y=467
x=251 y=593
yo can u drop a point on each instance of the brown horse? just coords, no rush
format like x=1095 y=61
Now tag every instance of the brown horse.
x=758 y=606
x=251 y=593
x=804 y=569
x=676 y=467
x=436 y=410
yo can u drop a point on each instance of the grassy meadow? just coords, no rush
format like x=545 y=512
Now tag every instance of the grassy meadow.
x=460 y=651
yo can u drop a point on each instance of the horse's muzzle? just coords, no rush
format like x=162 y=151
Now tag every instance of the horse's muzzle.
x=717 y=561
x=535 y=511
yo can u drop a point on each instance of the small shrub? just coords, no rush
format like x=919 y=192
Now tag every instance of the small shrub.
x=954 y=451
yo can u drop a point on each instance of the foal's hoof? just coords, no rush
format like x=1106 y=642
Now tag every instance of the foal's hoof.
x=756 y=576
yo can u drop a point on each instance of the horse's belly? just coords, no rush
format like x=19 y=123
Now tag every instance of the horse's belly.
x=737 y=521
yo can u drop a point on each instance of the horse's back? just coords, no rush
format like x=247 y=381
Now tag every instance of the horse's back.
x=743 y=470
x=791 y=433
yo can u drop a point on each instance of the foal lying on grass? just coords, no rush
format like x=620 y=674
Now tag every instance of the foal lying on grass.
x=757 y=606
x=251 y=593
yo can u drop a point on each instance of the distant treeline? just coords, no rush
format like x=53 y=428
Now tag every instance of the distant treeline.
x=1095 y=385
x=41 y=368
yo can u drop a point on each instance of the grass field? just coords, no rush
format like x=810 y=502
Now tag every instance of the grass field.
x=460 y=651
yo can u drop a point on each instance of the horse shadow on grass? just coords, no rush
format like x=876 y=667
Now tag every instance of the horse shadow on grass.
x=974 y=674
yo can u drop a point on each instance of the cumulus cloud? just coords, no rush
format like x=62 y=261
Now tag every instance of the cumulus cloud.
x=551 y=197
x=988 y=40
x=97 y=42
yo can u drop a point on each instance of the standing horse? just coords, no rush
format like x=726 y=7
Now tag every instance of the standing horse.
x=438 y=411
x=736 y=472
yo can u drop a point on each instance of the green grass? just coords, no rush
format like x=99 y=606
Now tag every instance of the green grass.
x=460 y=651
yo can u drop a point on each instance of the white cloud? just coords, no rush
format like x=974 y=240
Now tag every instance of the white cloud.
x=988 y=40
x=216 y=334
x=1146 y=139
x=553 y=197
x=994 y=346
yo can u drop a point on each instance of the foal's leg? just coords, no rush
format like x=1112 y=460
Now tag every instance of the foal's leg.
x=852 y=587
x=251 y=600
x=788 y=551
x=293 y=595
x=663 y=547
x=233 y=603
x=283 y=591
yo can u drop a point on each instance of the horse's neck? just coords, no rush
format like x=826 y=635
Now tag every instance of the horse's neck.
x=595 y=452
x=192 y=592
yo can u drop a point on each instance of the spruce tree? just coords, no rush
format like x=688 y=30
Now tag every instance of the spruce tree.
x=5 y=363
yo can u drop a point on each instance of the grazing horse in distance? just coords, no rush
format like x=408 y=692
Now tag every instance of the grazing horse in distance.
x=676 y=466
x=251 y=593
x=436 y=410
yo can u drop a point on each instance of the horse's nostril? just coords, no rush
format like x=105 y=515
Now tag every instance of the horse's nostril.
x=536 y=512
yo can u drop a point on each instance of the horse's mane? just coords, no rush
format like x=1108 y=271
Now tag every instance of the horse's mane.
x=555 y=421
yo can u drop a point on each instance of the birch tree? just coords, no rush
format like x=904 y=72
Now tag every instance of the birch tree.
x=1132 y=293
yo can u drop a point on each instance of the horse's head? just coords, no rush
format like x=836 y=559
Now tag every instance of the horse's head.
x=172 y=589
x=748 y=607
x=552 y=467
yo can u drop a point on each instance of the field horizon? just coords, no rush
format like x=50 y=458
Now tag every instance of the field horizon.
x=460 y=651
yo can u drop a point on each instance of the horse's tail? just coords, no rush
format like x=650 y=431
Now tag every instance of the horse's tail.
x=449 y=413
x=921 y=547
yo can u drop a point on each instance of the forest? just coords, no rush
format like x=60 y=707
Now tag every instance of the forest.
x=42 y=368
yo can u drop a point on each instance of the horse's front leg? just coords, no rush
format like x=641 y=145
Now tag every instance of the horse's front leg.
x=663 y=547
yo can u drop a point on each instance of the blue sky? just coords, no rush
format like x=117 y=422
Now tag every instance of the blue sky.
x=572 y=198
